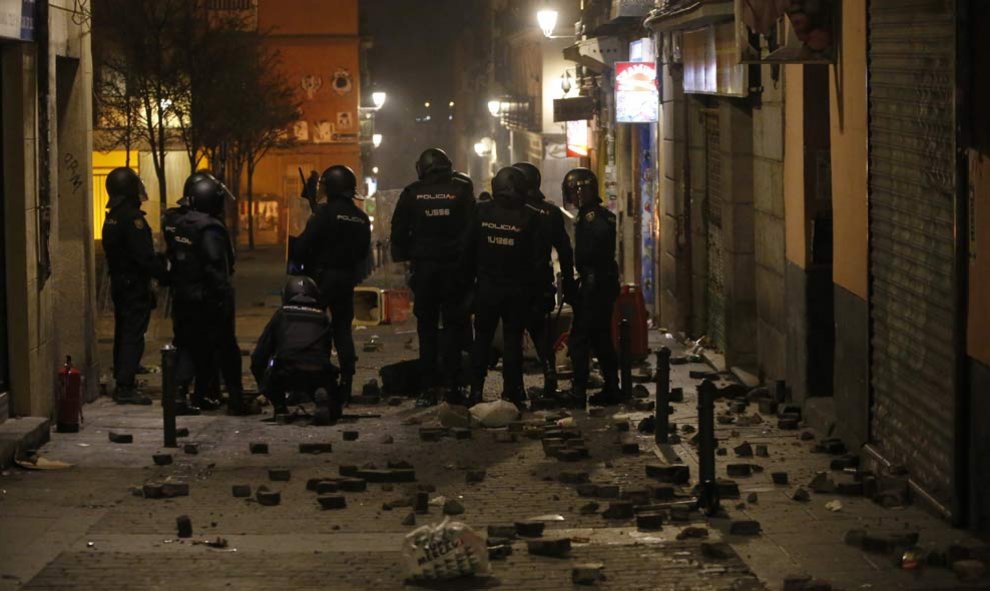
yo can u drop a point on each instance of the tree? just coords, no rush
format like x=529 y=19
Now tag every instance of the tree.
x=267 y=107
x=140 y=76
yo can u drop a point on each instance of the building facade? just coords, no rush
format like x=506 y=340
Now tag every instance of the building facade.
x=48 y=293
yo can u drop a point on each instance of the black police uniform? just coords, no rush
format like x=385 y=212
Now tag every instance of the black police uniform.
x=598 y=288
x=503 y=255
x=552 y=235
x=429 y=228
x=333 y=248
x=293 y=352
x=203 y=310
x=132 y=263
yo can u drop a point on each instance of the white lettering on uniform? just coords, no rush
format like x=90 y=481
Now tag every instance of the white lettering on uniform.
x=501 y=241
x=436 y=196
x=434 y=213
x=503 y=227
x=348 y=218
x=183 y=240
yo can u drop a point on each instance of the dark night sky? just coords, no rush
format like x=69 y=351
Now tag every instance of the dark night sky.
x=411 y=60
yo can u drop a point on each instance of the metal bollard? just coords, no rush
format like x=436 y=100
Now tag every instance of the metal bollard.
x=708 y=490
x=170 y=356
x=625 y=358
x=662 y=422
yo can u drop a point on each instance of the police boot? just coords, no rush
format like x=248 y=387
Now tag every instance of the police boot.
x=345 y=388
x=130 y=395
x=239 y=405
x=206 y=402
x=549 y=381
x=328 y=409
x=608 y=396
x=515 y=396
x=182 y=406
x=429 y=397
x=455 y=396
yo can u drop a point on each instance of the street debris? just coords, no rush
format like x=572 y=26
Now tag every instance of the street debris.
x=184 y=526
x=588 y=574
x=258 y=448
x=834 y=505
x=498 y=413
x=554 y=548
x=121 y=437
x=42 y=463
x=162 y=459
x=444 y=551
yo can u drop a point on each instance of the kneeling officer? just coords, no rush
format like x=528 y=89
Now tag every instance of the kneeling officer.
x=293 y=353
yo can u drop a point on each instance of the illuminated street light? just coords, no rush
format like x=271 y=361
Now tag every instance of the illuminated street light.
x=374 y=170
x=548 y=21
x=451 y=104
x=494 y=106
x=378 y=99
x=427 y=104
x=483 y=147
x=376 y=140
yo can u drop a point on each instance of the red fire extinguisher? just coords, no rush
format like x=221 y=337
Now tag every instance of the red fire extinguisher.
x=69 y=400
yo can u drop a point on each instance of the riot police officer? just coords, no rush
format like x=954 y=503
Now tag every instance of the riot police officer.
x=201 y=261
x=504 y=258
x=552 y=237
x=293 y=353
x=594 y=249
x=332 y=250
x=132 y=263
x=429 y=229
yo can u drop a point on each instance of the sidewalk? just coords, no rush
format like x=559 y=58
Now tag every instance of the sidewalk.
x=84 y=528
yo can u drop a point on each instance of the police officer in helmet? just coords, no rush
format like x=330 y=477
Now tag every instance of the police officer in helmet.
x=201 y=265
x=333 y=249
x=132 y=263
x=504 y=259
x=429 y=229
x=552 y=237
x=594 y=250
x=293 y=353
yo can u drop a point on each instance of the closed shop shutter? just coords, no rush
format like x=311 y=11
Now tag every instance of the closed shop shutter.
x=912 y=186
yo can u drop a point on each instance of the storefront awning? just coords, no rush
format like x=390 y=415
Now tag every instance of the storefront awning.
x=597 y=53
x=692 y=14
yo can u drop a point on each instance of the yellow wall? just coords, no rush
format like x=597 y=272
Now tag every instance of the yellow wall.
x=309 y=17
x=794 y=214
x=103 y=163
x=849 y=153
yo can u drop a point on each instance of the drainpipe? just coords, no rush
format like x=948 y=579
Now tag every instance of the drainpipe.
x=961 y=230
x=44 y=219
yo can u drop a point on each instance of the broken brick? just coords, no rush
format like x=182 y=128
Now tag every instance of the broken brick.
x=191 y=449
x=743 y=450
x=621 y=426
x=388 y=475
x=315 y=448
x=739 y=470
x=350 y=435
x=409 y=519
x=806 y=436
x=241 y=491
x=630 y=447
x=461 y=433
x=661 y=492
x=573 y=477
x=267 y=498
x=121 y=437
x=788 y=424
x=554 y=548
x=700 y=374
x=801 y=495
x=430 y=434
x=636 y=496
x=587 y=490
x=821 y=483
x=619 y=510
x=279 y=474
x=475 y=476
x=640 y=391
x=607 y=491
x=184 y=526
x=761 y=451
x=162 y=459
x=752 y=498
x=680 y=513
x=649 y=521
x=182 y=432
x=501 y=531
x=569 y=455
x=692 y=532
x=504 y=437
x=779 y=477
x=258 y=448
x=597 y=411
x=332 y=502
x=152 y=490
x=452 y=507
x=745 y=527
x=530 y=529
x=589 y=508
x=796 y=582
x=587 y=574
x=348 y=470
x=421 y=503
x=844 y=462
x=677 y=474
x=677 y=394
x=175 y=489
x=852 y=489
x=716 y=550
x=352 y=484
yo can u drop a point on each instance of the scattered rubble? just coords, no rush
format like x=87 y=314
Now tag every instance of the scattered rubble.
x=241 y=491
x=258 y=448
x=279 y=474
x=162 y=459
x=121 y=437
x=554 y=548
x=315 y=448
x=587 y=574
x=184 y=526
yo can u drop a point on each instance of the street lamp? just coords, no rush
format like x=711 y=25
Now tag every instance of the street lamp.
x=547 y=19
x=378 y=99
x=483 y=147
x=376 y=139
x=494 y=106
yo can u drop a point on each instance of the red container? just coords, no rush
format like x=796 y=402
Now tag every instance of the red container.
x=69 y=398
x=631 y=306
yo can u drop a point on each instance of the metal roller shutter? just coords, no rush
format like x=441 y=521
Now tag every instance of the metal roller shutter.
x=912 y=186
x=713 y=212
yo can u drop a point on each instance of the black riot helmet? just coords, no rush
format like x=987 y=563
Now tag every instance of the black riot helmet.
x=433 y=160
x=300 y=289
x=123 y=184
x=339 y=181
x=509 y=184
x=580 y=187
x=205 y=193
x=533 y=177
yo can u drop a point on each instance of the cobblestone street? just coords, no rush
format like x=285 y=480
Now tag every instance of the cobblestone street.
x=84 y=527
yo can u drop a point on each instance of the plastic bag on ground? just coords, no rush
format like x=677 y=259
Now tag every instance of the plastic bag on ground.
x=444 y=551
x=495 y=414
